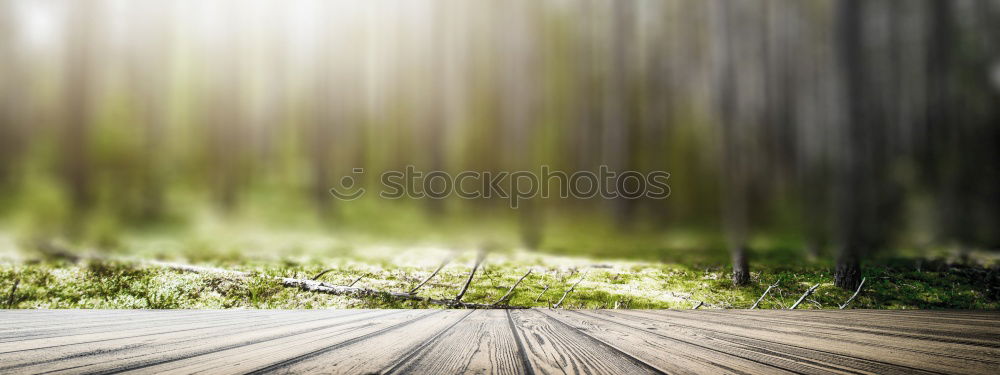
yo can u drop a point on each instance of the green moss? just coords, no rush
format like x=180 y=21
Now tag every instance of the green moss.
x=106 y=284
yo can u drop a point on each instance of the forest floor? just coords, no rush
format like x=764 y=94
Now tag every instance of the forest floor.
x=120 y=279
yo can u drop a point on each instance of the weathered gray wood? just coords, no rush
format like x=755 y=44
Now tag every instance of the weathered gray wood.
x=482 y=343
x=551 y=346
x=158 y=348
x=536 y=341
x=838 y=344
x=670 y=351
x=378 y=353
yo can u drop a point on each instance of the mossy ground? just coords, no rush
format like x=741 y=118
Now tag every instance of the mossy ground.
x=894 y=283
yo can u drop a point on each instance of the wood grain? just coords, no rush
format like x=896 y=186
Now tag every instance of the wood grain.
x=538 y=341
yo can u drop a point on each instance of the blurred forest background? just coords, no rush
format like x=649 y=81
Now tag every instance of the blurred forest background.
x=836 y=129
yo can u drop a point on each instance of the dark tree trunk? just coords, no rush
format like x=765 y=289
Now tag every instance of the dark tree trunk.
x=736 y=180
x=852 y=184
x=741 y=268
x=848 y=272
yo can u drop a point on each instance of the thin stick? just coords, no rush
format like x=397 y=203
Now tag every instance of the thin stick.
x=570 y=290
x=10 y=298
x=358 y=279
x=511 y=290
x=849 y=300
x=700 y=303
x=543 y=292
x=443 y=263
x=775 y=285
x=319 y=275
x=803 y=298
x=479 y=259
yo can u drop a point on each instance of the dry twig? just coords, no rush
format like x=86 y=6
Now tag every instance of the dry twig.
x=570 y=290
x=465 y=288
x=803 y=298
x=543 y=292
x=511 y=290
x=358 y=279
x=319 y=275
x=13 y=289
x=772 y=286
x=849 y=300
x=441 y=266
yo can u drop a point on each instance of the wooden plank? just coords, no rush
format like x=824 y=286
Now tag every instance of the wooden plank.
x=499 y=341
x=875 y=353
x=721 y=349
x=379 y=353
x=984 y=349
x=551 y=346
x=14 y=330
x=136 y=352
x=950 y=332
x=483 y=343
x=73 y=336
x=269 y=355
x=129 y=349
x=889 y=320
x=672 y=354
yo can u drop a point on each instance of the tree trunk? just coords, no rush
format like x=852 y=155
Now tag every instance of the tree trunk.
x=75 y=162
x=735 y=179
x=853 y=185
x=848 y=273
x=531 y=223
x=741 y=268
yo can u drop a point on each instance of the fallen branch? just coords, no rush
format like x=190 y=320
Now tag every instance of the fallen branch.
x=307 y=285
x=698 y=305
x=10 y=298
x=543 y=292
x=321 y=287
x=511 y=290
x=775 y=285
x=849 y=300
x=568 y=291
x=479 y=259
x=441 y=266
x=803 y=298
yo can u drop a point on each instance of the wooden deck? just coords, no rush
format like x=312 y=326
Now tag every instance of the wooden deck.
x=500 y=341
